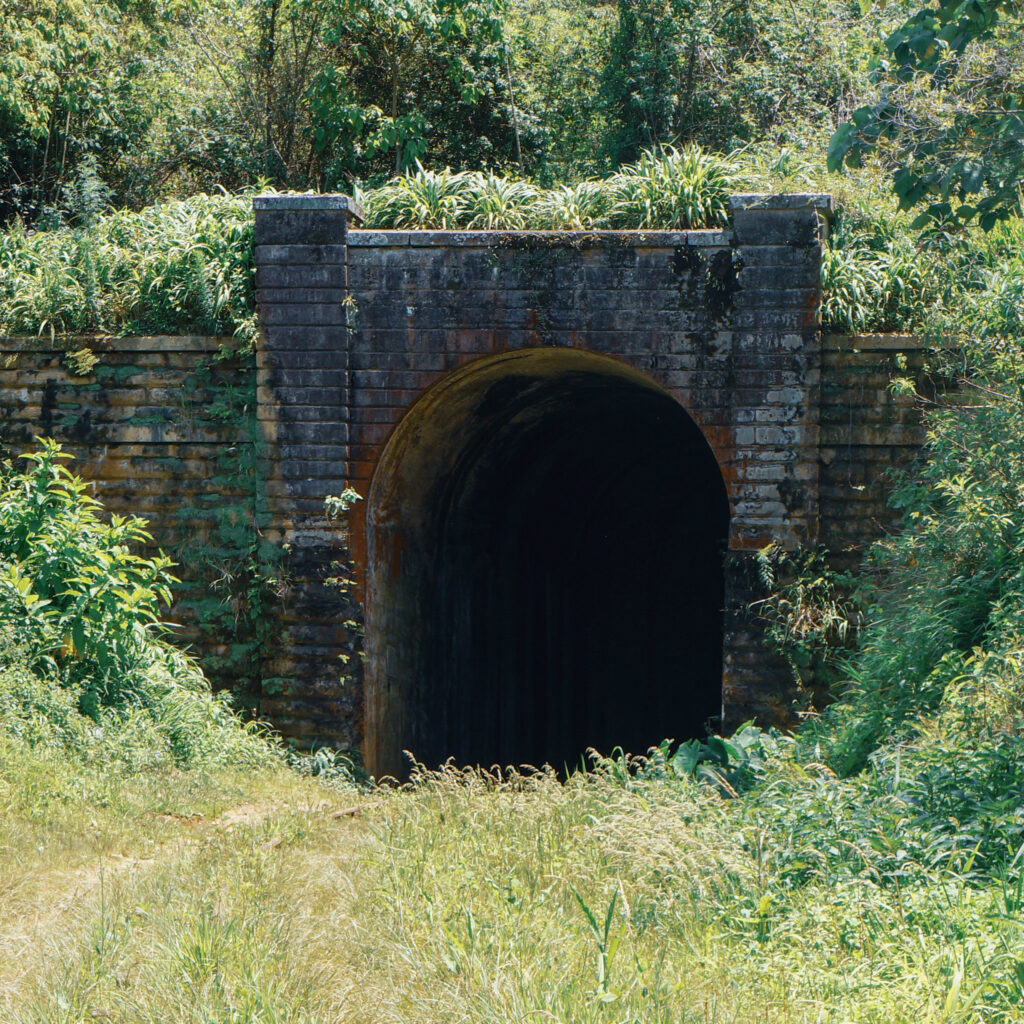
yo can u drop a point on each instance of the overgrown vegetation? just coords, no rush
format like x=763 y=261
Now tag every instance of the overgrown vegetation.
x=666 y=188
x=868 y=867
x=935 y=609
x=87 y=670
x=176 y=267
x=186 y=266
x=618 y=896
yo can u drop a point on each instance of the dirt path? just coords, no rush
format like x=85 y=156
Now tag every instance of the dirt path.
x=41 y=903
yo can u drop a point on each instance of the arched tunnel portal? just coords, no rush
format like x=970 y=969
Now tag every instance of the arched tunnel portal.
x=546 y=531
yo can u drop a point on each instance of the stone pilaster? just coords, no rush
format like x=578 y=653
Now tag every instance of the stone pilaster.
x=776 y=319
x=303 y=394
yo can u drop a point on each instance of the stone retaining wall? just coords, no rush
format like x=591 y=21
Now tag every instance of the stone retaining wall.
x=163 y=428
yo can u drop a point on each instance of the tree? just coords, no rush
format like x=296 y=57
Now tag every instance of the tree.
x=950 y=114
x=723 y=74
x=264 y=55
x=78 y=80
x=320 y=93
x=407 y=78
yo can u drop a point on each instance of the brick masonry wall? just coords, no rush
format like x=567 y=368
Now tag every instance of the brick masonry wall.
x=303 y=375
x=358 y=324
x=159 y=426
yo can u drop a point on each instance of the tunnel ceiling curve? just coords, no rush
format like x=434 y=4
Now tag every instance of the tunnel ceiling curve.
x=545 y=539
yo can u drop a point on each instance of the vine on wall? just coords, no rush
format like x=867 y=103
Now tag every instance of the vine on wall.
x=231 y=574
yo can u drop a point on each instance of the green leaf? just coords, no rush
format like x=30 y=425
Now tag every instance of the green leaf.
x=840 y=145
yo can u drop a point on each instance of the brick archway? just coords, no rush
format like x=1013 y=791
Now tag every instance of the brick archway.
x=546 y=531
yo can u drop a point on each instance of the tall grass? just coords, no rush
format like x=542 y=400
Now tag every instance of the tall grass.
x=609 y=898
x=181 y=266
x=666 y=188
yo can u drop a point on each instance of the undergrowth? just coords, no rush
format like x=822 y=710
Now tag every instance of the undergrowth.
x=618 y=896
x=86 y=668
x=936 y=608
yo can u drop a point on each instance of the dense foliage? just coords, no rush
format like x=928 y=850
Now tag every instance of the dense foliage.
x=130 y=102
x=943 y=599
x=949 y=114
x=82 y=91
x=86 y=667
x=180 y=266
x=185 y=266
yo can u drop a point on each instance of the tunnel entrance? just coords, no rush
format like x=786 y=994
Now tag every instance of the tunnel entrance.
x=546 y=531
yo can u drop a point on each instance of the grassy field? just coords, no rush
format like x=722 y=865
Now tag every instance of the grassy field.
x=248 y=898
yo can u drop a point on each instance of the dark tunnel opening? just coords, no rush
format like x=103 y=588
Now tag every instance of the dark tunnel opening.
x=566 y=589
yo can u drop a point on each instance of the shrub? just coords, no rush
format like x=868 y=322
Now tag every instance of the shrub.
x=810 y=617
x=666 y=188
x=78 y=600
x=494 y=203
x=84 y=663
x=874 y=278
x=580 y=207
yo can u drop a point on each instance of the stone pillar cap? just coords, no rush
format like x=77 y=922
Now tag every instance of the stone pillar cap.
x=309 y=201
x=821 y=201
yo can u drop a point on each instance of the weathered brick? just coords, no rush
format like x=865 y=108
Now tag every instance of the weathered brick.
x=334 y=297
x=290 y=360
x=308 y=227
x=298 y=314
x=301 y=276
x=304 y=373
x=299 y=255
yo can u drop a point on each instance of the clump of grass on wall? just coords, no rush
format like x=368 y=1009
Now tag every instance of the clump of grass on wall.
x=672 y=188
x=666 y=188
x=182 y=266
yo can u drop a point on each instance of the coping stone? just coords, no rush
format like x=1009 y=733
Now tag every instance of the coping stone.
x=309 y=201
x=788 y=201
